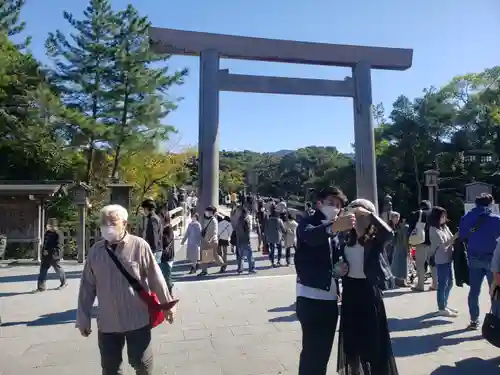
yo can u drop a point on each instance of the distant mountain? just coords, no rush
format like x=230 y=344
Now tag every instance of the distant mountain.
x=281 y=153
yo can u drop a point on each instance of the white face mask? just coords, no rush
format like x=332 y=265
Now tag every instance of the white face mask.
x=330 y=212
x=109 y=233
x=208 y=214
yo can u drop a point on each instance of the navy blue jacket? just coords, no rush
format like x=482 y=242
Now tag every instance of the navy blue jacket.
x=314 y=257
x=376 y=267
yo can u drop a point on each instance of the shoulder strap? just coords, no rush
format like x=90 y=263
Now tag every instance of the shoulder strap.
x=136 y=285
x=204 y=230
x=225 y=229
x=476 y=226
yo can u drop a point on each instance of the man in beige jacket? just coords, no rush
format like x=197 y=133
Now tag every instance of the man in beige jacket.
x=123 y=317
x=210 y=241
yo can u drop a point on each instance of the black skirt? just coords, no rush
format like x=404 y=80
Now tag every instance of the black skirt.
x=364 y=343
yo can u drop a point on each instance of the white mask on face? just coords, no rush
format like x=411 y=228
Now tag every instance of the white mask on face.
x=109 y=233
x=330 y=212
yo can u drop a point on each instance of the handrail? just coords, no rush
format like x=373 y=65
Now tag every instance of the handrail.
x=178 y=221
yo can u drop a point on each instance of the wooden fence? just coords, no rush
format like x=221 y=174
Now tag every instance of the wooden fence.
x=178 y=219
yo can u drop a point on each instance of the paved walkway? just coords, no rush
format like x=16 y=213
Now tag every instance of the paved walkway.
x=230 y=326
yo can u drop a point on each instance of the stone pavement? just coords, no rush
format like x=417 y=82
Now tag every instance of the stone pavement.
x=227 y=326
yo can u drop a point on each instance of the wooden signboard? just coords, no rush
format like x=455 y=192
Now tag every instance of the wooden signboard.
x=18 y=220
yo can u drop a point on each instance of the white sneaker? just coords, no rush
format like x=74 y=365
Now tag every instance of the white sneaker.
x=447 y=313
x=454 y=311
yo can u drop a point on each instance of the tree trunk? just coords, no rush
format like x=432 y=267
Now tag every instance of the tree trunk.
x=123 y=124
x=90 y=158
x=116 y=161
x=417 y=176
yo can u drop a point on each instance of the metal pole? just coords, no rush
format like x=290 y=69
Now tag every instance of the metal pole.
x=366 y=172
x=40 y=232
x=208 y=147
x=431 y=194
x=81 y=242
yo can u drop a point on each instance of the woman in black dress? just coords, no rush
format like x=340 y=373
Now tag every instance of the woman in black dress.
x=364 y=342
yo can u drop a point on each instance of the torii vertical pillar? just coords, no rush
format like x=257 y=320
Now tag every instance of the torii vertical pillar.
x=364 y=141
x=208 y=144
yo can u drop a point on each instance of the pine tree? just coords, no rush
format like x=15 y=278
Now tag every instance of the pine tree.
x=9 y=19
x=138 y=95
x=81 y=64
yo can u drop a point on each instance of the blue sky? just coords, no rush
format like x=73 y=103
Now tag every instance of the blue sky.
x=449 y=37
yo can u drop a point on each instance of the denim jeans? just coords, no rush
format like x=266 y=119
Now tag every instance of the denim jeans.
x=478 y=269
x=444 y=284
x=245 y=251
x=166 y=270
x=278 y=248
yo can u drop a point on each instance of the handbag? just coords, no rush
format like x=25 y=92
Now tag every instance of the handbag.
x=417 y=235
x=168 y=254
x=207 y=253
x=491 y=324
x=156 y=313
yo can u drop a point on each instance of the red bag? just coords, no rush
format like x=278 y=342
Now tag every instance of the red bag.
x=155 y=309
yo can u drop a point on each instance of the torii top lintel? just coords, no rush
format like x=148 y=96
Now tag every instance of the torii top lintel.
x=192 y=43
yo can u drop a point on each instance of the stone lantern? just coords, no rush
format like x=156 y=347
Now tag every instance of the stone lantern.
x=80 y=194
x=432 y=183
x=120 y=194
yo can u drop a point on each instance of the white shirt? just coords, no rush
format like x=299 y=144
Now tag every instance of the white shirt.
x=225 y=230
x=355 y=257
x=314 y=293
x=281 y=207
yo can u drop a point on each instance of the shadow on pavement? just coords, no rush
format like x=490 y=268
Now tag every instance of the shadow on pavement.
x=417 y=345
x=34 y=277
x=182 y=267
x=471 y=366
x=290 y=308
x=284 y=319
x=12 y=294
x=62 y=317
x=396 y=292
x=417 y=323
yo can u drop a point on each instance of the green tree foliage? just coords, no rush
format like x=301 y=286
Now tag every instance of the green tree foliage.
x=81 y=63
x=138 y=98
x=10 y=24
x=30 y=116
x=455 y=129
x=103 y=69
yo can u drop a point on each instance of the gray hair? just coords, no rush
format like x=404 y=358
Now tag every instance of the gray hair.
x=114 y=211
x=365 y=203
x=395 y=214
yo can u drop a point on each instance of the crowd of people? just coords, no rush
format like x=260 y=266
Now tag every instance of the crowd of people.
x=349 y=241
x=343 y=252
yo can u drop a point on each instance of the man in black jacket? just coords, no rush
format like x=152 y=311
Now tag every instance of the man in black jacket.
x=317 y=308
x=422 y=251
x=153 y=228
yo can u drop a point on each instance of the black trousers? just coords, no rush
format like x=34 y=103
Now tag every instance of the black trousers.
x=318 y=319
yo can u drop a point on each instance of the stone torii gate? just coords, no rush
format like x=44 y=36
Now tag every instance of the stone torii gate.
x=211 y=47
